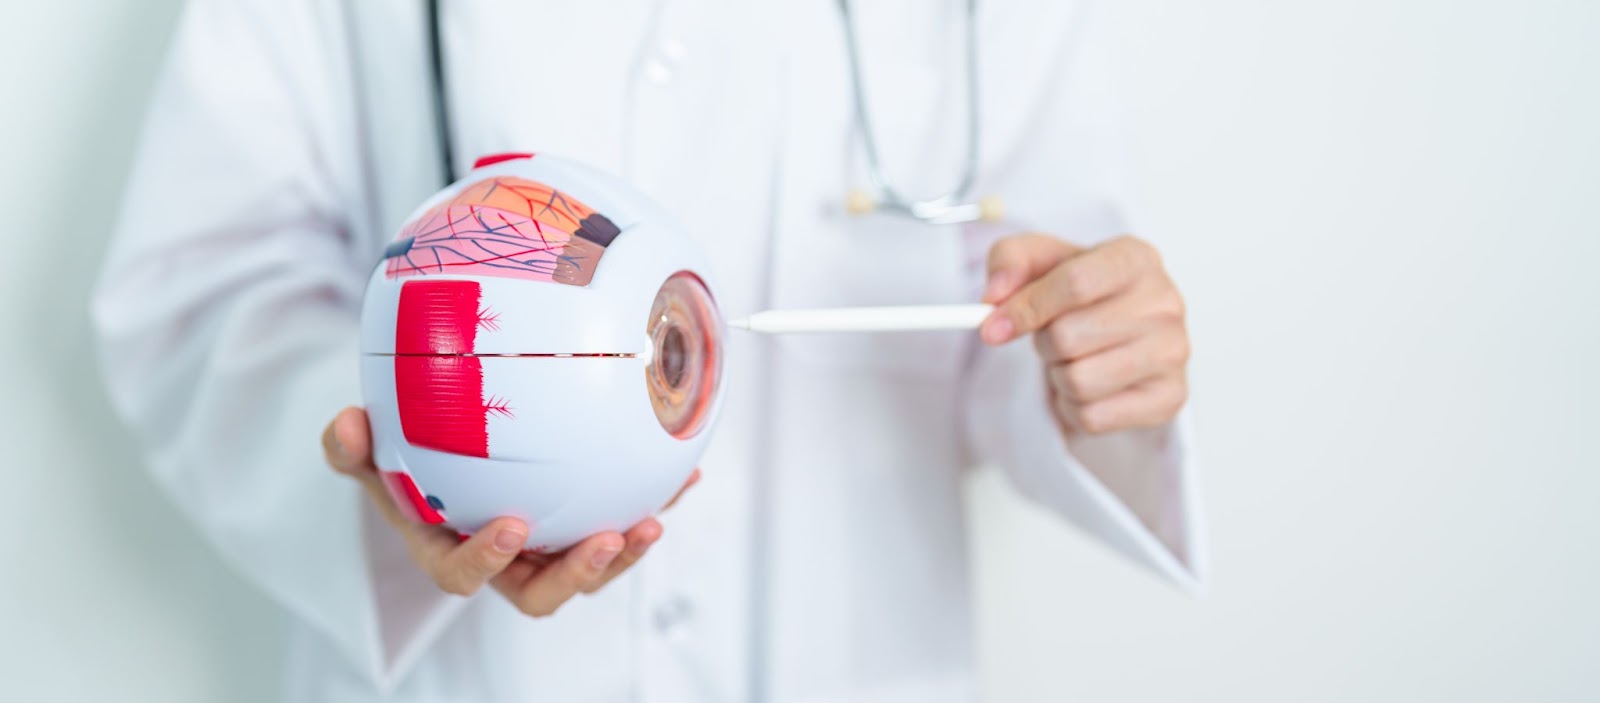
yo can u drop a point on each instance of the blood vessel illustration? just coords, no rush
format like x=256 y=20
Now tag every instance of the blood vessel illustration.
x=539 y=341
x=505 y=226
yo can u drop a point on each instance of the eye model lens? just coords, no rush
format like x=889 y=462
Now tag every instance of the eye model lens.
x=685 y=367
x=671 y=357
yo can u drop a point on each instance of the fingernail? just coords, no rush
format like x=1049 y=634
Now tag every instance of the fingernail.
x=638 y=548
x=998 y=329
x=602 y=558
x=509 y=540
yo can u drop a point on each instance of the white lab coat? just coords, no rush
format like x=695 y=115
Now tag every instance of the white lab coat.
x=823 y=556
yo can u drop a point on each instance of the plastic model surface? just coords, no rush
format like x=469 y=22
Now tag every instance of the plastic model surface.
x=539 y=341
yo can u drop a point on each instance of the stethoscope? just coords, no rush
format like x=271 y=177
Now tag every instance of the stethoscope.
x=952 y=207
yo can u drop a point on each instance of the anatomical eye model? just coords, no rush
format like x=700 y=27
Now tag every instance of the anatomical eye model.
x=539 y=341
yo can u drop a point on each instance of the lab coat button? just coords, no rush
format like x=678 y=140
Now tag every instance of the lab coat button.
x=672 y=616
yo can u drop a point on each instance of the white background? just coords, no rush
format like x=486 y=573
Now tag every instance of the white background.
x=1386 y=215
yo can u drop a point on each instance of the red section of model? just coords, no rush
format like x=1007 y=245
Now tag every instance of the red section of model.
x=409 y=498
x=437 y=317
x=438 y=387
x=492 y=159
x=441 y=403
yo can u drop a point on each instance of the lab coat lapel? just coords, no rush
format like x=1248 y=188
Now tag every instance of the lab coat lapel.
x=395 y=102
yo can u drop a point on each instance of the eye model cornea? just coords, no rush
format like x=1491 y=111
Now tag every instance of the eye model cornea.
x=685 y=332
x=507 y=227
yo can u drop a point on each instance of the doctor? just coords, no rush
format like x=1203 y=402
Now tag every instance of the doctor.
x=822 y=555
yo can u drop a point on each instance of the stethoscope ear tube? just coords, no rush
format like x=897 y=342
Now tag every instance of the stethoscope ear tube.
x=952 y=207
x=441 y=102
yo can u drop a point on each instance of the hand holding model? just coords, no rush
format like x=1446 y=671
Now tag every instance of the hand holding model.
x=537 y=584
x=1107 y=321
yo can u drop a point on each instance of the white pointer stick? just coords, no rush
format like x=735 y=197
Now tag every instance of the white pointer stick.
x=905 y=318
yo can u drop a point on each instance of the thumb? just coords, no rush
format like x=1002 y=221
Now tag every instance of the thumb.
x=1016 y=260
x=347 y=444
x=347 y=447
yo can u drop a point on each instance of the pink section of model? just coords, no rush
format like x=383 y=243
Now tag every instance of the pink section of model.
x=507 y=227
x=473 y=240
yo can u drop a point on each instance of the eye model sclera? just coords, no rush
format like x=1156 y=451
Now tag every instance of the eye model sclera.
x=539 y=341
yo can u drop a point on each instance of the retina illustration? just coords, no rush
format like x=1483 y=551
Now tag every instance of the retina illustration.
x=508 y=227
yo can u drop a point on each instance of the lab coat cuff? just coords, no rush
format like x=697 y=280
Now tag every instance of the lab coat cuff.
x=411 y=611
x=1021 y=434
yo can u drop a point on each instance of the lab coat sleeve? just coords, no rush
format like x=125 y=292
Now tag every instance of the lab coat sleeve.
x=1134 y=490
x=227 y=316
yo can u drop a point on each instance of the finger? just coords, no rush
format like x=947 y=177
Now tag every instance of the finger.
x=639 y=540
x=347 y=446
x=1146 y=405
x=544 y=591
x=518 y=573
x=1098 y=376
x=1074 y=283
x=1066 y=410
x=511 y=579
x=539 y=559
x=461 y=567
x=694 y=477
x=1017 y=259
x=1093 y=329
x=1111 y=322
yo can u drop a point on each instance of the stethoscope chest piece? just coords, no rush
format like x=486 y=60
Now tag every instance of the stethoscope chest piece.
x=859 y=202
x=953 y=207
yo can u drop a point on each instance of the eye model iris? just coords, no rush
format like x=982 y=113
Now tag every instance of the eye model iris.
x=671 y=357
x=686 y=338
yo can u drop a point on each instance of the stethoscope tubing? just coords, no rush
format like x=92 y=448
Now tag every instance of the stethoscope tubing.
x=948 y=208
x=441 y=101
x=890 y=197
